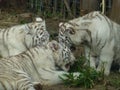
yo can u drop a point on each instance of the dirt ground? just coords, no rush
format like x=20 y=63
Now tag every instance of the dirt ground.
x=7 y=19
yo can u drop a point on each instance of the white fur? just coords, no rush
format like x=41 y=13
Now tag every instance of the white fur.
x=101 y=36
x=38 y=65
x=38 y=19
x=16 y=39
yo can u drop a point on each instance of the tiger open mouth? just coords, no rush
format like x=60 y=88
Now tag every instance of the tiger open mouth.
x=67 y=66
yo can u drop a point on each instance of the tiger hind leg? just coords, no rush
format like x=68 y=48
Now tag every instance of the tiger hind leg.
x=24 y=82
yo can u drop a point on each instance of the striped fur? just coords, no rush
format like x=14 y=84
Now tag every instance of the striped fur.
x=100 y=36
x=62 y=38
x=19 y=38
x=36 y=65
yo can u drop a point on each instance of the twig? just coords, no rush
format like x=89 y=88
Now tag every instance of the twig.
x=68 y=8
x=103 y=6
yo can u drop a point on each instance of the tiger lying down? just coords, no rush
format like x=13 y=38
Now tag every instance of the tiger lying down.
x=36 y=65
x=99 y=35
x=19 y=38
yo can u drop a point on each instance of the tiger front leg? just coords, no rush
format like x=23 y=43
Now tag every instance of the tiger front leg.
x=24 y=82
x=106 y=59
x=52 y=77
x=92 y=62
x=90 y=58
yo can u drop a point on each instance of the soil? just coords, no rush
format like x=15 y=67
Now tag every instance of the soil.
x=111 y=82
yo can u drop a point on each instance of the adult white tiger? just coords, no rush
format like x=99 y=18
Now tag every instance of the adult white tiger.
x=100 y=37
x=19 y=38
x=37 y=65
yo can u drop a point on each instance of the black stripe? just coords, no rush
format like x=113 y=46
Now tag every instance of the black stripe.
x=107 y=20
x=73 y=24
x=89 y=33
x=9 y=82
x=3 y=85
x=31 y=57
x=98 y=16
x=26 y=84
x=96 y=35
x=103 y=45
x=31 y=51
x=4 y=40
x=25 y=44
x=36 y=50
x=33 y=42
x=98 y=42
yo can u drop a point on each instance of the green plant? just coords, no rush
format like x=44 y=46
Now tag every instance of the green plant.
x=78 y=65
x=48 y=14
x=114 y=79
x=88 y=76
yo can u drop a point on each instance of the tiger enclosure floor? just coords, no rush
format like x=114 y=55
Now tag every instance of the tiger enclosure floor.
x=10 y=18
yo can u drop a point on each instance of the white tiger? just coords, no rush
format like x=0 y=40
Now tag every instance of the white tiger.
x=100 y=36
x=36 y=65
x=19 y=38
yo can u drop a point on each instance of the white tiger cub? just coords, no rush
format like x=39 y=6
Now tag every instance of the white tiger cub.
x=19 y=38
x=100 y=37
x=36 y=65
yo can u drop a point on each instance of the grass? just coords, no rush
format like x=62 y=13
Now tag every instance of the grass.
x=88 y=76
x=114 y=79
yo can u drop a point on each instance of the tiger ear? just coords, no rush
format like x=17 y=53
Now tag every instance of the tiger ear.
x=60 y=29
x=38 y=19
x=54 y=45
x=60 y=24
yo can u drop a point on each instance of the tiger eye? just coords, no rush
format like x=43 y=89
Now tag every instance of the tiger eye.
x=35 y=27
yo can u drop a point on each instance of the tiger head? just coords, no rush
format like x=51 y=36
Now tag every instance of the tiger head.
x=62 y=55
x=74 y=33
x=37 y=30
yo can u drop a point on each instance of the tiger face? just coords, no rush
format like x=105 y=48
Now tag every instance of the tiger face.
x=39 y=32
x=66 y=58
x=62 y=55
x=73 y=34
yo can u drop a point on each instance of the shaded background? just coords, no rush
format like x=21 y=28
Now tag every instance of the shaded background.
x=64 y=8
